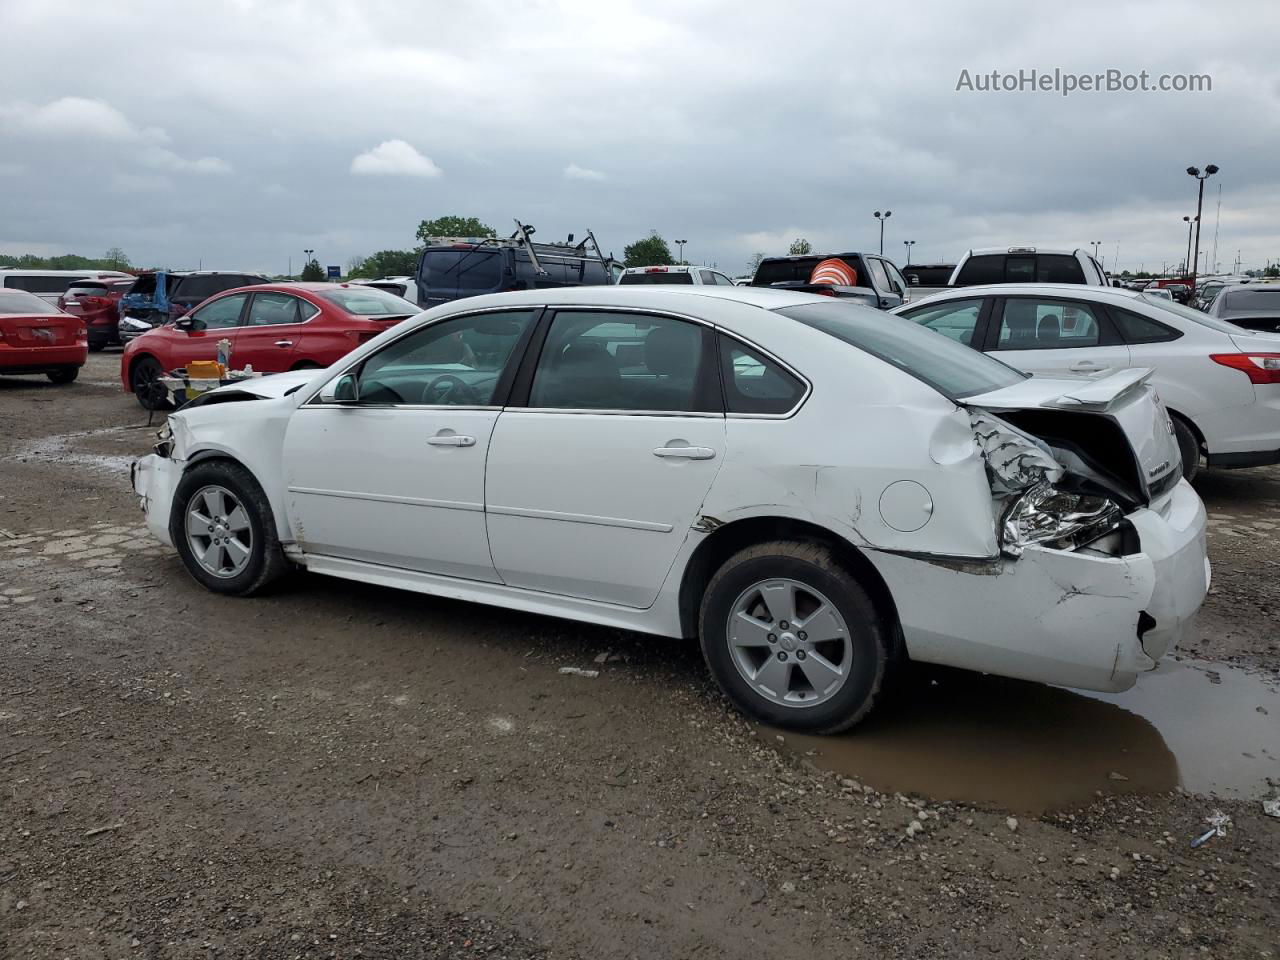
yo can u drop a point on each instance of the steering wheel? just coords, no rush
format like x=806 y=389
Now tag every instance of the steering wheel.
x=450 y=390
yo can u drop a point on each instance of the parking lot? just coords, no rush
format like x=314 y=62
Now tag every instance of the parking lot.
x=343 y=770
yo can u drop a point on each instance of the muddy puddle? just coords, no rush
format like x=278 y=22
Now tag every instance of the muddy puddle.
x=1030 y=748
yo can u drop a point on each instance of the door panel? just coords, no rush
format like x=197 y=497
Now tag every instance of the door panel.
x=369 y=484
x=269 y=337
x=589 y=505
x=213 y=322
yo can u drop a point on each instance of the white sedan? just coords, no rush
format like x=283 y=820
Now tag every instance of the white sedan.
x=816 y=490
x=1220 y=382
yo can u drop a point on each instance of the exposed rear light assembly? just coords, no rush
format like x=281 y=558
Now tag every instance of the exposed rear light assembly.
x=1258 y=367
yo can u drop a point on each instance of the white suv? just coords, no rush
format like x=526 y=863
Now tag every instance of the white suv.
x=1027 y=265
x=674 y=273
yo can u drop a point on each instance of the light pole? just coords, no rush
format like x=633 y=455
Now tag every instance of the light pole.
x=1186 y=262
x=307 y=262
x=680 y=244
x=882 y=219
x=1209 y=171
x=908 y=244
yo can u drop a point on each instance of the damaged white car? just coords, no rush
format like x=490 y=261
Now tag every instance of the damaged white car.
x=816 y=490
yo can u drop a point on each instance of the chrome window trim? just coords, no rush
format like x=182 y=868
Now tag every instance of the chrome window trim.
x=311 y=400
x=273 y=326
x=614 y=412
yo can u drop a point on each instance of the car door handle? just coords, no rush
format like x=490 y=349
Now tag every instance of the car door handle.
x=452 y=440
x=685 y=453
x=284 y=343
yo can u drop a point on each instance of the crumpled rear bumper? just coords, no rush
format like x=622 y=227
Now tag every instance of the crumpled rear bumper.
x=154 y=479
x=1073 y=619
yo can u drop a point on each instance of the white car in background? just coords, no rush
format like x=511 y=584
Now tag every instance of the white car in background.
x=814 y=489
x=1219 y=382
x=682 y=274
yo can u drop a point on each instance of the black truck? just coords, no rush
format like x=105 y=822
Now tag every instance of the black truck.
x=880 y=283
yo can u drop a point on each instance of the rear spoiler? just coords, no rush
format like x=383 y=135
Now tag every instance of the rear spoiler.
x=1105 y=392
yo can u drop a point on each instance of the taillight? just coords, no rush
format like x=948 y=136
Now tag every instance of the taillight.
x=1258 y=367
x=82 y=333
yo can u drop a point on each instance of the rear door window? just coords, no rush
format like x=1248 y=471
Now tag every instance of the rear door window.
x=272 y=309
x=1135 y=328
x=987 y=268
x=1028 y=323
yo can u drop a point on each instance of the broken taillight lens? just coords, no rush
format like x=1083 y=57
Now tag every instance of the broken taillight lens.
x=1049 y=517
x=1258 y=367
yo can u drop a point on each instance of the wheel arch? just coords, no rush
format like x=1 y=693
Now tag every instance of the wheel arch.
x=211 y=454
x=1191 y=425
x=728 y=539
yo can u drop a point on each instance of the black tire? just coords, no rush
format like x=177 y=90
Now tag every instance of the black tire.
x=267 y=561
x=815 y=566
x=63 y=374
x=144 y=378
x=97 y=346
x=1188 y=446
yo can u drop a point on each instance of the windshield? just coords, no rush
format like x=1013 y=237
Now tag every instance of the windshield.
x=954 y=370
x=370 y=302
x=666 y=276
x=15 y=302
x=1190 y=313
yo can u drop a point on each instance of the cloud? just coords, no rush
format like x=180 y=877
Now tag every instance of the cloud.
x=394 y=158
x=77 y=117
x=11 y=169
x=575 y=172
x=162 y=158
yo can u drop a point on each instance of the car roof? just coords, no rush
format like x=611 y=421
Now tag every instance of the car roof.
x=1076 y=290
x=1027 y=248
x=87 y=273
x=669 y=267
x=640 y=296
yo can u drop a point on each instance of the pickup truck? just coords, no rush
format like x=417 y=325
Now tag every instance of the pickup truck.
x=880 y=283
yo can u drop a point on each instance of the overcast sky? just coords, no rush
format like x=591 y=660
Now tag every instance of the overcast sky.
x=235 y=134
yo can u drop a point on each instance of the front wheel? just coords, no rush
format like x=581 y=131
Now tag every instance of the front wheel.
x=793 y=639
x=144 y=377
x=224 y=529
x=63 y=374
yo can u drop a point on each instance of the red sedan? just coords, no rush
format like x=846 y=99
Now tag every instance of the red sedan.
x=97 y=303
x=272 y=327
x=37 y=337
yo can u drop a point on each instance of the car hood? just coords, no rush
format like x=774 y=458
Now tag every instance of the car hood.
x=268 y=387
x=1111 y=428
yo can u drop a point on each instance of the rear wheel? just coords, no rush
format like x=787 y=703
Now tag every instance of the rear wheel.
x=1188 y=446
x=224 y=529
x=144 y=378
x=793 y=639
x=63 y=374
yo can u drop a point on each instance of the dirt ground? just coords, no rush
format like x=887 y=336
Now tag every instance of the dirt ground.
x=345 y=771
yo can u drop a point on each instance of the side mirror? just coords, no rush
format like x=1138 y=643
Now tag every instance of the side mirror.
x=346 y=389
x=185 y=323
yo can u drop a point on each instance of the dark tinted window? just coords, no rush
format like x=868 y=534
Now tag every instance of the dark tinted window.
x=1135 y=328
x=38 y=284
x=20 y=303
x=755 y=384
x=619 y=361
x=454 y=362
x=988 y=268
x=203 y=287
x=953 y=370
x=463 y=269
x=1252 y=298
x=87 y=288
x=1019 y=269
x=1057 y=268
x=665 y=277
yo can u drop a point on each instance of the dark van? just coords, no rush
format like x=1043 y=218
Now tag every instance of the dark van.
x=450 y=271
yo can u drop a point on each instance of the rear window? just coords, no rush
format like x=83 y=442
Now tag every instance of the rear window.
x=1190 y=313
x=39 y=284
x=1253 y=298
x=463 y=269
x=88 y=288
x=1058 y=268
x=665 y=277
x=988 y=268
x=785 y=271
x=367 y=302
x=1020 y=268
x=955 y=371
x=24 y=304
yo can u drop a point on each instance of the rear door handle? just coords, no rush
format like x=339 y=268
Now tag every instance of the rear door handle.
x=284 y=343
x=452 y=440
x=685 y=453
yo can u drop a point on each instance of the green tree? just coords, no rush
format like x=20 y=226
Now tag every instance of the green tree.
x=799 y=247
x=313 y=272
x=387 y=263
x=453 y=226
x=652 y=251
x=117 y=258
x=1272 y=271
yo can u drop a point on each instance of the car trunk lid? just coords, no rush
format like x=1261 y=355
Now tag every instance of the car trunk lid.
x=1112 y=430
x=39 y=330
